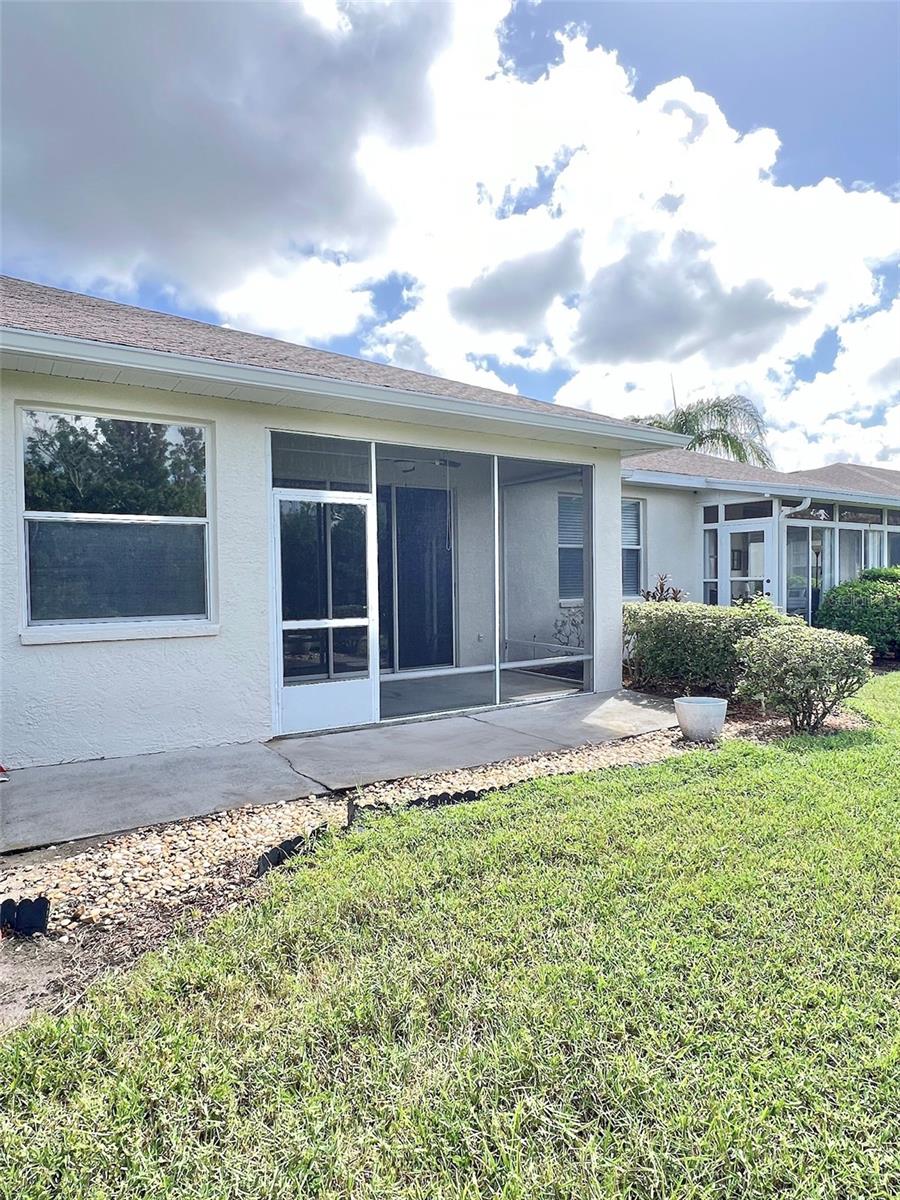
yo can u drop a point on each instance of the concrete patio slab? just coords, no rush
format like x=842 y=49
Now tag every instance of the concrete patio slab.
x=361 y=756
x=41 y=805
x=583 y=720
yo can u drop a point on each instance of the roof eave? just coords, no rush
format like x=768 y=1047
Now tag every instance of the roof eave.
x=706 y=483
x=273 y=382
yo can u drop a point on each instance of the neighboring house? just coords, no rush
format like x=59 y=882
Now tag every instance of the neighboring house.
x=210 y=536
x=724 y=531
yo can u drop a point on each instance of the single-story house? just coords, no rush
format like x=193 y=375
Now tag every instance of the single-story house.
x=212 y=537
x=724 y=531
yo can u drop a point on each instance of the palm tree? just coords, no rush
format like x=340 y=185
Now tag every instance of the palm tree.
x=731 y=426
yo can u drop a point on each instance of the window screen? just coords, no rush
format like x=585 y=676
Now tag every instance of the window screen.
x=631 y=547
x=116 y=518
x=570 y=538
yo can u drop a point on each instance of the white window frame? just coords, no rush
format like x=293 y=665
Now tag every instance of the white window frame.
x=97 y=629
x=640 y=547
x=882 y=529
x=569 y=601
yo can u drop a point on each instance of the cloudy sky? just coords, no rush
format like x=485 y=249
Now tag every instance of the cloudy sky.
x=585 y=203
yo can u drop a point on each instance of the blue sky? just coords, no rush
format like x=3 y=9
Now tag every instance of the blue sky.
x=824 y=74
x=478 y=190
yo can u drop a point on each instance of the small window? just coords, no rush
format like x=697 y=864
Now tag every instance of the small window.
x=710 y=566
x=710 y=514
x=570 y=547
x=632 y=548
x=116 y=519
x=748 y=511
x=819 y=510
x=893 y=545
x=861 y=516
x=893 y=516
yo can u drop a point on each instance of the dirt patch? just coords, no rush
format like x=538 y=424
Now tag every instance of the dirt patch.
x=112 y=900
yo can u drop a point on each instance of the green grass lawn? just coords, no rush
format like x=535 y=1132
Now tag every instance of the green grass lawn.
x=676 y=981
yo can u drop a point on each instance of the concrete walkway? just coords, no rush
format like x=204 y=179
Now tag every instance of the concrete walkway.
x=44 y=805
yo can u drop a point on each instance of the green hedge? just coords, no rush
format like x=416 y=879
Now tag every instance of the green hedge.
x=869 y=607
x=691 y=647
x=882 y=574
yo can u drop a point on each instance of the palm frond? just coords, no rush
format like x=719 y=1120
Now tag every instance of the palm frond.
x=731 y=426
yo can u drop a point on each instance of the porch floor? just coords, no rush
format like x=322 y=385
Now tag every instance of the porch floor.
x=40 y=806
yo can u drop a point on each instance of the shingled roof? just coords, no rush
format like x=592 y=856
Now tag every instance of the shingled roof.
x=842 y=477
x=37 y=308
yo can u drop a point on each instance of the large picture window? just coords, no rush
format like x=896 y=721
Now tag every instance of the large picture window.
x=116 y=519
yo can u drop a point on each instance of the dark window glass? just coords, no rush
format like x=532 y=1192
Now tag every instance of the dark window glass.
x=350 y=651
x=323 y=560
x=819 y=510
x=710 y=593
x=314 y=655
x=571 y=573
x=893 y=516
x=893 y=558
x=305 y=654
x=710 y=514
x=861 y=516
x=748 y=511
x=107 y=465
x=102 y=570
x=631 y=572
x=424 y=536
x=300 y=460
x=385 y=578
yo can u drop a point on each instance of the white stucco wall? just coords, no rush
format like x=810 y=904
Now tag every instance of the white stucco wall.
x=92 y=699
x=531 y=565
x=672 y=521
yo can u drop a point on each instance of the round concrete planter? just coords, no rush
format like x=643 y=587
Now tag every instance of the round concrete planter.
x=701 y=717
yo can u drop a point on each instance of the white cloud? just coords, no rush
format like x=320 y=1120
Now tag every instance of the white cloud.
x=309 y=300
x=687 y=258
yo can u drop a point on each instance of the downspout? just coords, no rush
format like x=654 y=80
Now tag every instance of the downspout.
x=783 y=514
x=804 y=503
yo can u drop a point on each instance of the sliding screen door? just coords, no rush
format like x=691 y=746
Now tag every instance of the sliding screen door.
x=424 y=578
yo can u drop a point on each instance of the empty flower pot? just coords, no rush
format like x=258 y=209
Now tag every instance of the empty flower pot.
x=701 y=717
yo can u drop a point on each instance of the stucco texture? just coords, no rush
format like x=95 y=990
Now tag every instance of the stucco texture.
x=672 y=522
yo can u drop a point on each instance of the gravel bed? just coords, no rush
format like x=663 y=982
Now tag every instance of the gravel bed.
x=121 y=896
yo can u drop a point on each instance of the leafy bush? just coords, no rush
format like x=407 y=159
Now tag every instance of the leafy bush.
x=803 y=672
x=869 y=607
x=882 y=574
x=690 y=647
x=664 y=591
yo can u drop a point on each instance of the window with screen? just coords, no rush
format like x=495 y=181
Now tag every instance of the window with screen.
x=632 y=548
x=116 y=519
x=570 y=546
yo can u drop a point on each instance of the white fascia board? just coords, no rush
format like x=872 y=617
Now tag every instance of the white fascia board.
x=705 y=483
x=222 y=378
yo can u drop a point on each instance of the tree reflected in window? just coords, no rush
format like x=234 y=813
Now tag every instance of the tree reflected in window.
x=106 y=465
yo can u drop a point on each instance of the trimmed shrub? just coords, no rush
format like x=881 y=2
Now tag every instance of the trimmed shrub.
x=868 y=607
x=882 y=574
x=690 y=647
x=803 y=672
